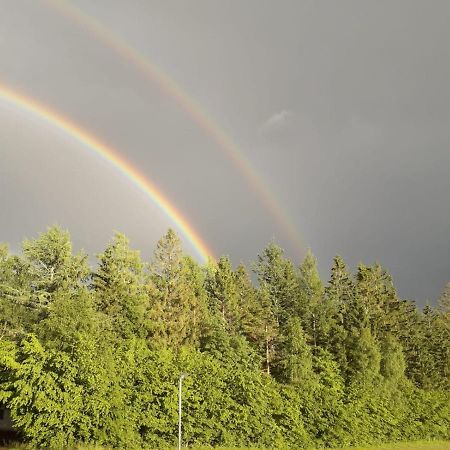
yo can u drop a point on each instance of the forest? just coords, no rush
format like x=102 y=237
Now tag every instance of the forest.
x=276 y=357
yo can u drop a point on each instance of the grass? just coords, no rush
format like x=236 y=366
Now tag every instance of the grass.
x=418 y=445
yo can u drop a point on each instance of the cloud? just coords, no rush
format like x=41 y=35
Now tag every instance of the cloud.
x=277 y=121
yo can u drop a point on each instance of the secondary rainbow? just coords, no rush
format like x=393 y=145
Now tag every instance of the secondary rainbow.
x=188 y=104
x=30 y=105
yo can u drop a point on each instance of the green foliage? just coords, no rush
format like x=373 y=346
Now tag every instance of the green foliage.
x=52 y=266
x=119 y=287
x=280 y=279
x=175 y=305
x=93 y=357
x=392 y=360
x=310 y=306
x=294 y=360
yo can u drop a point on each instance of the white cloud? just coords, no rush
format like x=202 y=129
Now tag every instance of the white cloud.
x=277 y=121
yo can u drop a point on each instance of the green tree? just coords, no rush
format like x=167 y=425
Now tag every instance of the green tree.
x=392 y=365
x=377 y=299
x=280 y=279
x=67 y=385
x=311 y=307
x=339 y=295
x=222 y=293
x=16 y=318
x=119 y=287
x=52 y=266
x=442 y=325
x=294 y=364
x=174 y=304
x=253 y=314
x=95 y=360
x=363 y=356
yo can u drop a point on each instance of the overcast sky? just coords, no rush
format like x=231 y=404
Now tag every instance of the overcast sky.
x=343 y=108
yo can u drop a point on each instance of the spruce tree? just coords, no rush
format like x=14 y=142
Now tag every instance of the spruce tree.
x=392 y=365
x=339 y=295
x=222 y=293
x=280 y=279
x=363 y=356
x=174 y=304
x=118 y=284
x=378 y=302
x=351 y=364
x=294 y=361
x=311 y=307
x=252 y=313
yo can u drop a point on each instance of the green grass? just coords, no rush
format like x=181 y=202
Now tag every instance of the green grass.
x=419 y=445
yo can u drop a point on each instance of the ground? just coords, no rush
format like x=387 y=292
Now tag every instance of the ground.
x=422 y=445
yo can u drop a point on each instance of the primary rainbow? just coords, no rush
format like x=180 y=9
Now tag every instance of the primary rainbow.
x=188 y=104
x=30 y=105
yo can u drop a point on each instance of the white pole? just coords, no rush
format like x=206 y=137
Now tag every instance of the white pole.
x=183 y=375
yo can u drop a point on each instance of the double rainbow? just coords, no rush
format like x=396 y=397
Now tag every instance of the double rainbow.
x=170 y=88
x=110 y=155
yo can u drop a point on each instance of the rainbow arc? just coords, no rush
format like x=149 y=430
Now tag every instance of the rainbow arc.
x=113 y=157
x=173 y=90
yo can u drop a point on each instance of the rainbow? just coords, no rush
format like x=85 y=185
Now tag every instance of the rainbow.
x=167 y=85
x=58 y=121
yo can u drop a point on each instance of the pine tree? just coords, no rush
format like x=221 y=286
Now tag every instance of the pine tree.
x=350 y=364
x=280 y=280
x=444 y=303
x=363 y=355
x=311 y=306
x=377 y=299
x=271 y=327
x=443 y=329
x=339 y=295
x=392 y=365
x=118 y=284
x=195 y=278
x=412 y=338
x=294 y=362
x=251 y=313
x=222 y=293
x=174 y=305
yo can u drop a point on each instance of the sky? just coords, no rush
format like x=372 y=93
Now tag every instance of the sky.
x=339 y=110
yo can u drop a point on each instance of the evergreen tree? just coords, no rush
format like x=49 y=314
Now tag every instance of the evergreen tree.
x=195 y=278
x=271 y=327
x=174 y=305
x=442 y=325
x=252 y=312
x=294 y=364
x=311 y=306
x=97 y=360
x=392 y=365
x=444 y=303
x=339 y=295
x=363 y=356
x=119 y=289
x=222 y=293
x=280 y=279
x=379 y=305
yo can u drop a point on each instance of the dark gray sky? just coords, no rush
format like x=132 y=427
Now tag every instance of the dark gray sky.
x=342 y=107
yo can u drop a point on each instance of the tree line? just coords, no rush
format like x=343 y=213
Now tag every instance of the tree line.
x=92 y=355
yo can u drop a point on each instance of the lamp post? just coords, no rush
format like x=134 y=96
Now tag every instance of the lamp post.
x=180 y=381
